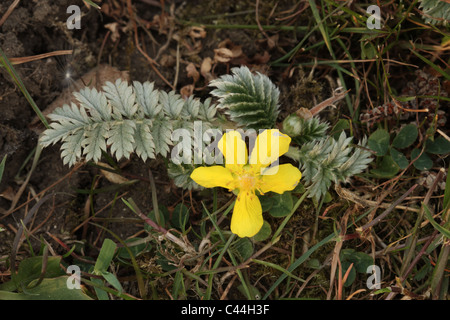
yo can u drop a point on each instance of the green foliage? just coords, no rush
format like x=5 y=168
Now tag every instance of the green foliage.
x=282 y=205
x=30 y=283
x=393 y=160
x=250 y=100
x=2 y=167
x=264 y=233
x=304 y=130
x=101 y=267
x=361 y=261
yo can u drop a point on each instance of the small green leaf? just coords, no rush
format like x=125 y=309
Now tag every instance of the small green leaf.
x=300 y=188
x=313 y=263
x=101 y=294
x=361 y=261
x=30 y=269
x=105 y=256
x=266 y=203
x=379 y=142
x=437 y=226
x=244 y=248
x=254 y=292
x=399 y=158
x=282 y=205
x=264 y=233
x=423 y=163
x=368 y=50
x=163 y=215
x=135 y=249
x=48 y=289
x=440 y=145
x=387 y=168
x=406 y=137
x=180 y=217
x=341 y=125
x=351 y=276
x=112 y=280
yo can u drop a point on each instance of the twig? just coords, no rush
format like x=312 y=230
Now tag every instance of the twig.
x=20 y=60
x=387 y=211
x=259 y=24
x=348 y=195
x=8 y=12
x=411 y=243
x=186 y=248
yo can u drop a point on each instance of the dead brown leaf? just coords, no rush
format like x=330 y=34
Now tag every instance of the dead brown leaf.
x=236 y=51
x=205 y=69
x=8 y=193
x=192 y=72
x=114 y=28
x=187 y=91
x=261 y=59
x=111 y=176
x=223 y=55
x=197 y=33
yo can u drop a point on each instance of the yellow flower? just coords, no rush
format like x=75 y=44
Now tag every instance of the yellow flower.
x=247 y=176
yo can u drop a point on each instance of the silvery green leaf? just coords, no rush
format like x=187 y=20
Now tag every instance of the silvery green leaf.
x=207 y=111
x=121 y=97
x=66 y=121
x=251 y=100
x=172 y=104
x=71 y=114
x=328 y=160
x=147 y=98
x=191 y=108
x=162 y=131
x=121 y=138
x=181 y=175
x=95 y=140
x=95 y=102
x=71 y=147
x=145 y=147
x=359 y=160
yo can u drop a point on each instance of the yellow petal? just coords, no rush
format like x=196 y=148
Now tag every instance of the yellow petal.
x=214 y=176
x=247 y=217
x=233 y=149
x=269 y=146
x=281 y=178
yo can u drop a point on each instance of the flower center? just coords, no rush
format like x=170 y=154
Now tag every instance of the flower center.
x=247 y=182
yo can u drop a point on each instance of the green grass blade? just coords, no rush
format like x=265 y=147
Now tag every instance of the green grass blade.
x=105 y=256
x=319 y=21
x=436 y=225
x=12 y=72
x=298 y=262
x=431 y=64
x=96 y=6
x=279 y=268
x=446 y=191
x=2 y=167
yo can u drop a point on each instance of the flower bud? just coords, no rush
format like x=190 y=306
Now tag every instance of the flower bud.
x=292 y=125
